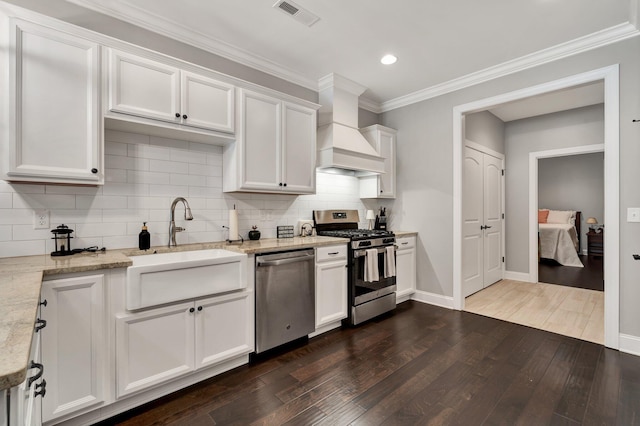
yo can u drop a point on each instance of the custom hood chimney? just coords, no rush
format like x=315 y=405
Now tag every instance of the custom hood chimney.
x=340 y=143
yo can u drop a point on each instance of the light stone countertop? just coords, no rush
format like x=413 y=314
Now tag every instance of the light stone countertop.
x=21 y=280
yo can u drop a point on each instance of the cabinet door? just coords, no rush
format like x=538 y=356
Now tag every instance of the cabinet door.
x=143 y=87
x=224 y=328
x=74 y=345
x=207 y=103
x=387 y=149
x=405 y=268
x=331 y=292
x=153 y=347
x=55 y=130
x=299 y=149
x=259 y=140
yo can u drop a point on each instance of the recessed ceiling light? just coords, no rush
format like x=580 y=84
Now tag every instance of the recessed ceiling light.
x=388 y=59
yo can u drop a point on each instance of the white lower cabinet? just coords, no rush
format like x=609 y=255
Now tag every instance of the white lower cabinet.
x=74 y=344
x=405 y=268
x=24 y=404
x=331 y=287
x=155 y=346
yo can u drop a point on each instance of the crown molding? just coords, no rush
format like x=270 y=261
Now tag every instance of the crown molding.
x=152 y=22
x=570 y=48
x=159 y=25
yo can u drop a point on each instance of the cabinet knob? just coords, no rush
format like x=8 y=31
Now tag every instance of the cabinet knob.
x=199 y=308
x=280 y=184
x=41 y=389
x=185 y=116
x=177 y=115
x=36 y=376
x=192 y=310
x=40 y=324
x=94 y=170
x=284 y=184
x=44 y=302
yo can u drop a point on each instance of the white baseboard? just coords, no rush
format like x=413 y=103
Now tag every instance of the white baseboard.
x=433 y=299
x=518 y=276
x=630 y=344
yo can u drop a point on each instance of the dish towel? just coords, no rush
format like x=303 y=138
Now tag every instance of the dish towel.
x=390 y=262
x=371 y=265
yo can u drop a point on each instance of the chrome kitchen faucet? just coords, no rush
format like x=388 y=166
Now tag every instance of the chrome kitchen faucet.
x=172 y=225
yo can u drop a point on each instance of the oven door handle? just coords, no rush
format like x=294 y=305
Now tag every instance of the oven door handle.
x=362 y=252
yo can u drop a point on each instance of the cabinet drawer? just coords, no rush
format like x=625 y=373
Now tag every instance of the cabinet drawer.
x=406 y=242
x=324 y=254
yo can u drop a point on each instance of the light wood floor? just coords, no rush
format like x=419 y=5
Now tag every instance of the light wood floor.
x=569 y=311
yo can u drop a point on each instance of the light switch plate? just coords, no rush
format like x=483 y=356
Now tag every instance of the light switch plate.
x=41 y=219
x=633 y=214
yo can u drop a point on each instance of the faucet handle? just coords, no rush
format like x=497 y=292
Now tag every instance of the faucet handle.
x=179 y=229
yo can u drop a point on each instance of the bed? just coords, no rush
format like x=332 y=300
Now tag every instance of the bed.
x=559 y=233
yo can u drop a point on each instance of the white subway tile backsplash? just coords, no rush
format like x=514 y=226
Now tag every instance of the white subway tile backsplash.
x=100 y=230
x=26 y=232
x=101 y=202
x=5 y=232
x=168 y=166
x=6 y=200
x=138 y=176
x=184 y=155
x=143 y=175
x=21 y=248
x=115 y=148
x=16 y=216
x=43 y=201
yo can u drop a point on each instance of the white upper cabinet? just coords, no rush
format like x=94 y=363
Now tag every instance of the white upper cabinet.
x=383 y=139
x=151 y=89
x=55 y=131
x=275 y=147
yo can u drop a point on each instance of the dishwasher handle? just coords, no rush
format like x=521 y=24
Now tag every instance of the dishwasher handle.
x=260 y=262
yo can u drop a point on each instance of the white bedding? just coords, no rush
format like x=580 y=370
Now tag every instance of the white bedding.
x=559 y=241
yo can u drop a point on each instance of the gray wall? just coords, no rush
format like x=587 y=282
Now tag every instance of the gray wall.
x=425 y=176
x=574 y=182
x=485 y=129
x=582 y=126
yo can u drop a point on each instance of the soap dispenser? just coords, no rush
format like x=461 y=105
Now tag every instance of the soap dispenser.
x=144 y=239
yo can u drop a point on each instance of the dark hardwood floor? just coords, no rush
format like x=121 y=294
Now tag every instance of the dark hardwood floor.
x=419 y=365
x=590 y=277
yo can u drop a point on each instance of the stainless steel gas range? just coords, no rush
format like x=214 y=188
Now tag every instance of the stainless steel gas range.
x=371 y=263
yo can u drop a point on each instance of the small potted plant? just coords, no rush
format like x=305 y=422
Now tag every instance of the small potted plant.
x=254 y=234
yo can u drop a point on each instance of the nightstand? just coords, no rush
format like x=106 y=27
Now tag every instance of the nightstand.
x=595 y=243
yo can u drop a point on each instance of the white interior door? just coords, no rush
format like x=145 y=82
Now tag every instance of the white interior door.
x=472 y=220
x=492 y=202
x=482 y=221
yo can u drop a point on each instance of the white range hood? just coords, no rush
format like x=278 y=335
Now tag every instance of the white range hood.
x=340 y=143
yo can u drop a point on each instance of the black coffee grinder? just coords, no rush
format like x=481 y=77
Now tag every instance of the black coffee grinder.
x=62 y=234
x=381 y=219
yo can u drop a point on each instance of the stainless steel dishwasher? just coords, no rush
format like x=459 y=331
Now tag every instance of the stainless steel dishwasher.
x=285 y=297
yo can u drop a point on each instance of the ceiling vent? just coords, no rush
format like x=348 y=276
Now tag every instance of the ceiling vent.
x=297 y=12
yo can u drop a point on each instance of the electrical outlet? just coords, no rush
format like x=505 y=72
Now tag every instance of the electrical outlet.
x=633 y=214
x=41 y=219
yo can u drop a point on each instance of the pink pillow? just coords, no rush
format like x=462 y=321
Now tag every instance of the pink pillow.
x=542 y=216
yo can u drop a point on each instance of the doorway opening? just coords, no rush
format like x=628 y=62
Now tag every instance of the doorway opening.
x=609 y=76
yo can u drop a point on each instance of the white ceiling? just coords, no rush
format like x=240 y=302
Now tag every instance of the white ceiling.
x=436 y=41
